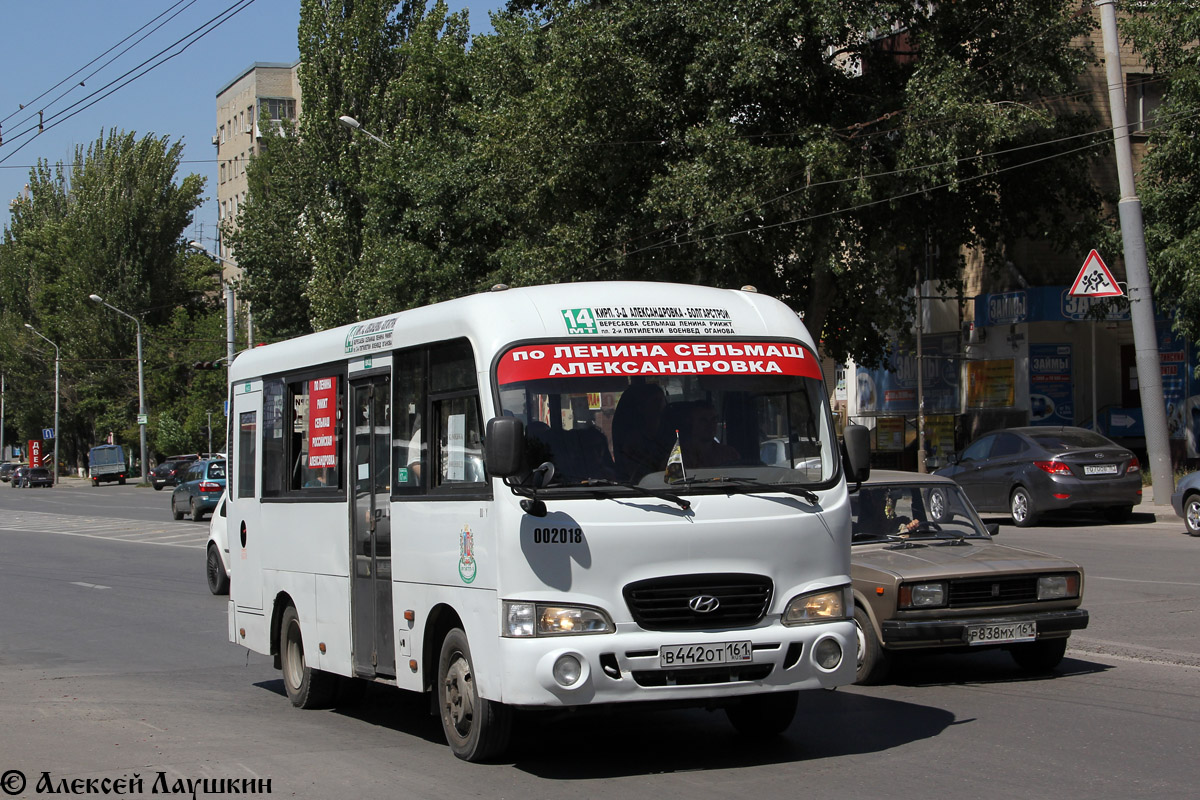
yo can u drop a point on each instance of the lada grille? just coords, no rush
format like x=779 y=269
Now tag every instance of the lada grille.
x=662 y=604
x=993 y=591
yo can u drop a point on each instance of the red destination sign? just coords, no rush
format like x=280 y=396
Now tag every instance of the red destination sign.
x=536 y=362
x=322 y=419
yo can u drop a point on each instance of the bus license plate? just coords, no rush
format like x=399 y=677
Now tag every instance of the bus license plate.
x=693 y=655
x=997 y=634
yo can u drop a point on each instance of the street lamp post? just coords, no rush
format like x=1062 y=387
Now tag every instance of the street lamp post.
x=95 y=298
x=54 y=470
x=355 y=125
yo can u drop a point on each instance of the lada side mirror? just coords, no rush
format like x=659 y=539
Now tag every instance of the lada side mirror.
x=856 y=453
x=504 y=446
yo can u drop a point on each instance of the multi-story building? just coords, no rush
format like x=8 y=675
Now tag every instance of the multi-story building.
x=263 y=91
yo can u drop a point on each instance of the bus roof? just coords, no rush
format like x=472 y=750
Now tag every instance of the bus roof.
x=579 y=312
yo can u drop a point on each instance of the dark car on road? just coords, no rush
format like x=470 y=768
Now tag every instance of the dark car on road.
x=199 y=489
x=26 y=477
x=6 y=471
x=1028 y=472
x=169 y=472
x=927 y=575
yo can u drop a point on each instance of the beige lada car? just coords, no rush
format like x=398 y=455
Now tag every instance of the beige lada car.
x=928 y=574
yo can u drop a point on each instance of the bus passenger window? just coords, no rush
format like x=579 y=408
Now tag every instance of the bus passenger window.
x=246 y=449
x=460 y=440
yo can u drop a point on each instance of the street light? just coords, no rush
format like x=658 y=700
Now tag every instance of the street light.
x=95 y=298
x=54 y=470
x=355 y=125
x=229 y=332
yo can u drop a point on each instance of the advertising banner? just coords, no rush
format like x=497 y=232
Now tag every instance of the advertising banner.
x=1051 y=390
x=889 y=434
x=893 y=388
x=991 y=384
x=35 y=453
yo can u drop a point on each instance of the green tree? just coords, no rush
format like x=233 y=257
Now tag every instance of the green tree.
x=1166 y=33
x=110 y=223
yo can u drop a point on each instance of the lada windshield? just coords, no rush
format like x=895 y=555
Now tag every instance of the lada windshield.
x=912 y=511
x=694 y=416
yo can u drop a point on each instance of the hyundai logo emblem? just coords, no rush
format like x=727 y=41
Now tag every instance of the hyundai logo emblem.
x=704 y=604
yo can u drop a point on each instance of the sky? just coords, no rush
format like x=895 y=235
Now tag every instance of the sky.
x=50 y=46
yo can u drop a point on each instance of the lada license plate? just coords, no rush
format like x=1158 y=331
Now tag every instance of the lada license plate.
x=998 y=634
x=1100 y=469
x=694 y=655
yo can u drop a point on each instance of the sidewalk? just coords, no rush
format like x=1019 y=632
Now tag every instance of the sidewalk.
x=1162 y=513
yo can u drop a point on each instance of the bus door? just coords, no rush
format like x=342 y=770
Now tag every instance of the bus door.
x=371 y=592
x=246 y=536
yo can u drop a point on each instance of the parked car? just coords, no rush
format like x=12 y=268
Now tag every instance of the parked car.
x=1186 y=502
x=217 y=562
x=1028 y=472
x=199 y=490
x=927 y=574
x=26 y=477
x=169 y=472
x=6 y=471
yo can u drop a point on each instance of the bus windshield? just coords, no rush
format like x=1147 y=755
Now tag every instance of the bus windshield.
x=690 y=415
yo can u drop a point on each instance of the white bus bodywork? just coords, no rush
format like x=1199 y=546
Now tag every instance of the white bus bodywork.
x=456 y=558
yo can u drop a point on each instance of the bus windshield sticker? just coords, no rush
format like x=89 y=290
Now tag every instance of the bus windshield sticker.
x=643 y=320
x=536 y=362
x=322 y=406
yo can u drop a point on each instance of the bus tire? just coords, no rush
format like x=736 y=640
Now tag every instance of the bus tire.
x=306 y=687
x=218 y=581
x=476 y=729
x=760 y=716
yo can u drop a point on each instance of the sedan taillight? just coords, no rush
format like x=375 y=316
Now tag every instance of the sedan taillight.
x=1134 y=465
x=1053 y=467
x=209 y=486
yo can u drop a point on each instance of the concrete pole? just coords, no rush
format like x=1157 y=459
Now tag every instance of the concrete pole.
x=229 y=324
x=1141 y=299
x=141 y=402
x=921 y=454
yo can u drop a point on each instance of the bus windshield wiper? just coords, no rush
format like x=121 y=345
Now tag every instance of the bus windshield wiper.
x=799 y=491
x=643 y=490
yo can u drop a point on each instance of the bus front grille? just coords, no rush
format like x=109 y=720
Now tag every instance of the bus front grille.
x=702 y=676
x=699 y=602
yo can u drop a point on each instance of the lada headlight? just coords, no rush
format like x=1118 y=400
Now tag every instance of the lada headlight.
x=922 y=595
x=538 y=619
x=825 y=605
x=1057 y=587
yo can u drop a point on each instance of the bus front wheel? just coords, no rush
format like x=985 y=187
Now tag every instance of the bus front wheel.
x=306 y=687
x=476 y=729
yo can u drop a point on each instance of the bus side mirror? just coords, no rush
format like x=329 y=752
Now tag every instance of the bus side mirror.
x=856 y=452
x=504 y=446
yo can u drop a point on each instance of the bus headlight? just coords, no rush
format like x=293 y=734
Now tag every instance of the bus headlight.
x=826 y=605
x=537 y=619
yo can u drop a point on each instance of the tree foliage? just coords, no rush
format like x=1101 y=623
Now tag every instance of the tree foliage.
x=803 y=147
x=111 y=224
x=1166 y=33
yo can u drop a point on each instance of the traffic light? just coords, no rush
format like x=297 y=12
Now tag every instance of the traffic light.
x=206 y=365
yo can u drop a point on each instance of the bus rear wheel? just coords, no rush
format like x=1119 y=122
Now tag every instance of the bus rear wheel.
x=306 y=687
x=476 y=729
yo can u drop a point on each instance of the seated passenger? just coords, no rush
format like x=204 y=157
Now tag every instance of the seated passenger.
x=639 y=446
x=698 y=440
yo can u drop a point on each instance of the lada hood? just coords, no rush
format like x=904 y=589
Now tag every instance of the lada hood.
x=942 y=559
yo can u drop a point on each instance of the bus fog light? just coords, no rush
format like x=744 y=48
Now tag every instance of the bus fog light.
x=827 y=653
x=567 y=670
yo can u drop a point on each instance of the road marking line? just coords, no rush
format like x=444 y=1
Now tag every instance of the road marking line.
x=1136 y=580
x=89 y=585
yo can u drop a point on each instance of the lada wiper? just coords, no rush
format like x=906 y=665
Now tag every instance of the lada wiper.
x=789 y=488
x=642 y=490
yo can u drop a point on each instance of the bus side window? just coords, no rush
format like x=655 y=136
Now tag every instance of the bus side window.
x=460 y=440
x=408 y=446
x=247 y=436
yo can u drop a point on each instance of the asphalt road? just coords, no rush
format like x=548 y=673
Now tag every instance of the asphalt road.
x=114 y=663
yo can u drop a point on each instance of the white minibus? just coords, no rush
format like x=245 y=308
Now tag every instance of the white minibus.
x=546 y=497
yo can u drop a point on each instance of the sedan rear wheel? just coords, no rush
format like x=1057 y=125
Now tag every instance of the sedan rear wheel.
x=1020 y=506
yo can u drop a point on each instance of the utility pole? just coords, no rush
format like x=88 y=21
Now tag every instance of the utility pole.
x=1141 y=299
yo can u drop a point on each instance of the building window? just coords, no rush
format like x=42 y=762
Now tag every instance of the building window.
x=222 y=172
x=278 y=107
x=222 y=134
x=1143 y=96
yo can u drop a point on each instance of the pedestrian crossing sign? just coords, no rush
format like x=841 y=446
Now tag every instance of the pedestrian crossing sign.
x=1094 y=280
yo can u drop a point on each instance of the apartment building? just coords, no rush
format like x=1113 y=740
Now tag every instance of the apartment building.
x=265 y=90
